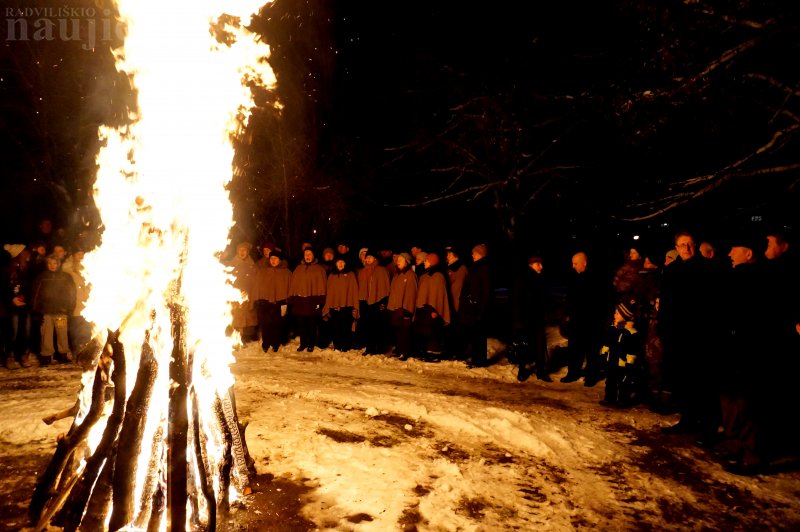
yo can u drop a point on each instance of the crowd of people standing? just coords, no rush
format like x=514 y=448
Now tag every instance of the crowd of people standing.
x=714 y=339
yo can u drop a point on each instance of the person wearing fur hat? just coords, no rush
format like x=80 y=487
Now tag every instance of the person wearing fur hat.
x=622 y=350
x=307 y=289
x=269 y=291
x=341 y=304
x=402 y=303
x=432 y=308
x=474 y=306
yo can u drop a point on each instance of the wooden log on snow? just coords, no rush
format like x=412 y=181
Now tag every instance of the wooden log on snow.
x=130 y=439
x=70 y=517
x=43 y=492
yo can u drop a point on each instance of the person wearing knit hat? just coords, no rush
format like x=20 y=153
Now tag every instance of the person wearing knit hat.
x=407 y=258
x=625 y=310
x=622 y=349
x=670 y=257
x=14 y=249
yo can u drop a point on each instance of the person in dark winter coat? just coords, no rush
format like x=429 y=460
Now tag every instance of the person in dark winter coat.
x=529 y=307
x=269 y=291
x=690 y=328
x=307 y=288
x=456 y=277
x=474 y=306
x=744 y=385
x=432 y=308
x=402 y=303
x=53 y=297
x=587 y=301
x=622 y=350
x=373 y=293
x=341 y=304
x=782 y=336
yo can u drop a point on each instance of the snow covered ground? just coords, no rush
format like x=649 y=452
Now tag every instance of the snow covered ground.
x=376 y=444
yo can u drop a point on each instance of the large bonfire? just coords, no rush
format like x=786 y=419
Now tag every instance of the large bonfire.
x=156 y=440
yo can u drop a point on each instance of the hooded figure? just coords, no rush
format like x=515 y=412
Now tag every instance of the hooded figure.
x=341 y=304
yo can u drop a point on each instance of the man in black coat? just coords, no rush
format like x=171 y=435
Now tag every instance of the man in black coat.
x=473 y=307
x=690 y=326
x=588 y=304
x=529 y=307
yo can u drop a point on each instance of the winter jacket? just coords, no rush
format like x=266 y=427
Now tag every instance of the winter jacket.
x=307 y=289
x=270 y=283
x=342 y=292
x=475 y=296
x=403 y=292
x=53 y=293
x=432 y=292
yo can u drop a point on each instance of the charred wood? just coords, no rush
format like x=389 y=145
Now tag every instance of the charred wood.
x=79 y=496
x=43 y=492
x=227 y=458
x=178 y=426
x=152 y=480
x=201 y=458
x=130 y=439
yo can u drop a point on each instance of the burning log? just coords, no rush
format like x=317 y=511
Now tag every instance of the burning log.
x=178 y=425
x=85 y=497
x=152 y=481
x=70 y=517
x=201 y=459
x=62 y=414
x=130 y=439
x=100 y=501
x=43 y=493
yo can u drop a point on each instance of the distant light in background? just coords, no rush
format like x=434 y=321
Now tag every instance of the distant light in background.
x=636 y=237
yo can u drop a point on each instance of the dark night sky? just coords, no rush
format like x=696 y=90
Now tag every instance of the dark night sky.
x=361 y=79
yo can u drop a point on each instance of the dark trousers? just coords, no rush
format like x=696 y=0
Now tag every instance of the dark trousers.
x=308 y=330
x=401 y=323
x=340 y=326
x=427 y=331
x=270 y=322
x=373 y=321
x=584 y=345
x=20 y=333
x=476 y=342
x=533 y=348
